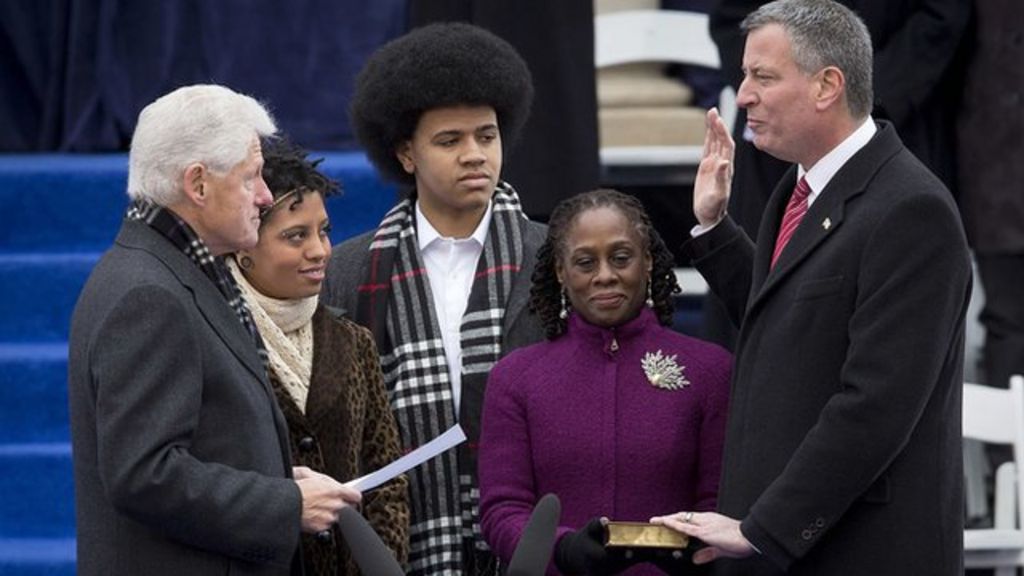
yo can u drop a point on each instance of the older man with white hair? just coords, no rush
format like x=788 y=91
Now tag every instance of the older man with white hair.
x=180 y=452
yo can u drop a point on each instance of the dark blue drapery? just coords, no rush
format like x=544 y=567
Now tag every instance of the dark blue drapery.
x=75 y=73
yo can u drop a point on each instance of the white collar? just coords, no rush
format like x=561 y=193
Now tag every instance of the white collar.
x=822 y=172
x=427 y=234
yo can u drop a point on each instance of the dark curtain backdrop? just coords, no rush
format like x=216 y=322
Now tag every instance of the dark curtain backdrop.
x=75 y=73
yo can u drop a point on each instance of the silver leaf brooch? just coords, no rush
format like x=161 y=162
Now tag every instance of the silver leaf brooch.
x=663 y=371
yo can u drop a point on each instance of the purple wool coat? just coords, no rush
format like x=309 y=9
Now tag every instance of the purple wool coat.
x=579 y=419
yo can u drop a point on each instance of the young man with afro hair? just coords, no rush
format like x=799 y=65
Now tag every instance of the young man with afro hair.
x=443 y=282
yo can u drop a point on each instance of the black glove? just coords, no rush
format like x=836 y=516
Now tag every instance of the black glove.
x=583 y=552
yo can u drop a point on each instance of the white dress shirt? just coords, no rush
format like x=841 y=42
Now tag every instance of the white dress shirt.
x=822 y=172
x=451 y=264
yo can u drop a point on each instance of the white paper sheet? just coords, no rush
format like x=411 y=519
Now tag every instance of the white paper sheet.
x=448 y=439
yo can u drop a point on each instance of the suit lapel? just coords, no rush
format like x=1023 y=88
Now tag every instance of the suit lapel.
x=769 y=229
x=208 y=299
x=217 y=313
x=824 y=217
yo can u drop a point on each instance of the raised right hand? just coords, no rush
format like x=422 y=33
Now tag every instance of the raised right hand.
x=714 y=176
x=323 y=498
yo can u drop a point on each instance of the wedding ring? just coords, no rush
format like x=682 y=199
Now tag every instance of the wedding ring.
x=688 y=517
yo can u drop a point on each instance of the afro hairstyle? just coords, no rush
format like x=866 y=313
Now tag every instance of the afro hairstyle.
x=436 y=66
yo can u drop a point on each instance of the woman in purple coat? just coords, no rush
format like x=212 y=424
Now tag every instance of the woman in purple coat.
x=619 y=416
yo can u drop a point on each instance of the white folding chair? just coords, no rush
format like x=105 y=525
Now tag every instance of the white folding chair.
x=996 y=416
x=669 y=36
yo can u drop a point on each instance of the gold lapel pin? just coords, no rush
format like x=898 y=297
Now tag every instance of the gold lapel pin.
x=827 y=223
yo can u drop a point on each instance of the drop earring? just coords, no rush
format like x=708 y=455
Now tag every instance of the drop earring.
x=650 y=298
x=564 y=312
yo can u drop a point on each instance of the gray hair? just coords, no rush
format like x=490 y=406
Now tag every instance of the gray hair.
x=824 y=33
x=205 y=123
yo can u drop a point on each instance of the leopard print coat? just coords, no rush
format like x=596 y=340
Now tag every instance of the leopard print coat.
x=348 y=430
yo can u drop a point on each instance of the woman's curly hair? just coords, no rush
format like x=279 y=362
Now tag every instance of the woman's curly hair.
x=546 y=292
x=287 y=171
x=436 y=66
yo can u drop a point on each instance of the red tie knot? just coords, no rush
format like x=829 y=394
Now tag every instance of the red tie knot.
x=802 y=190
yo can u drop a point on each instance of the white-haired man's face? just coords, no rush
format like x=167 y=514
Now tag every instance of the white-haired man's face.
x=229 y=218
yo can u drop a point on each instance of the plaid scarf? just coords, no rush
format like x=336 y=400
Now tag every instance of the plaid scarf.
x=182 y=236
x=395 y=302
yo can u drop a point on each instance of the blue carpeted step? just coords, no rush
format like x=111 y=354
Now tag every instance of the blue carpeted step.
x=61 y=201
x=36 y=491
x=70 y=202
x=37 y=556
x=38 y=292
x=33 y=385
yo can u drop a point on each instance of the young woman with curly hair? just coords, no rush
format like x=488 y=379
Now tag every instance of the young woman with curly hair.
x=324 y=370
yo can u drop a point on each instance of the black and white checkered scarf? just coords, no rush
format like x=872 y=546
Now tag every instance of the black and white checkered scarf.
x=182 y=236
x=395 y=302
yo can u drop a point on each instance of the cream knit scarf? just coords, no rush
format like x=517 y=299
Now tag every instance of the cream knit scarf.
x=287 y=330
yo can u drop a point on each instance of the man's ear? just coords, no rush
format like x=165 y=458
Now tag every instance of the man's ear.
x=404 y=154
x=195 y=183
x=831 y=87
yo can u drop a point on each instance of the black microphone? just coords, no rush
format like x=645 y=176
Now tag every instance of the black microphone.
x=368 y=550
x=533 y=552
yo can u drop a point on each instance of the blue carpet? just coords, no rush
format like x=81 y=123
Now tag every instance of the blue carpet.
x=36 y=491
x=57 y=214
x=39 y=291
x=35 y=400
x=37 y=556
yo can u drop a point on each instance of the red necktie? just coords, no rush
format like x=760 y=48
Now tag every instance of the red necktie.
x=795 y=211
